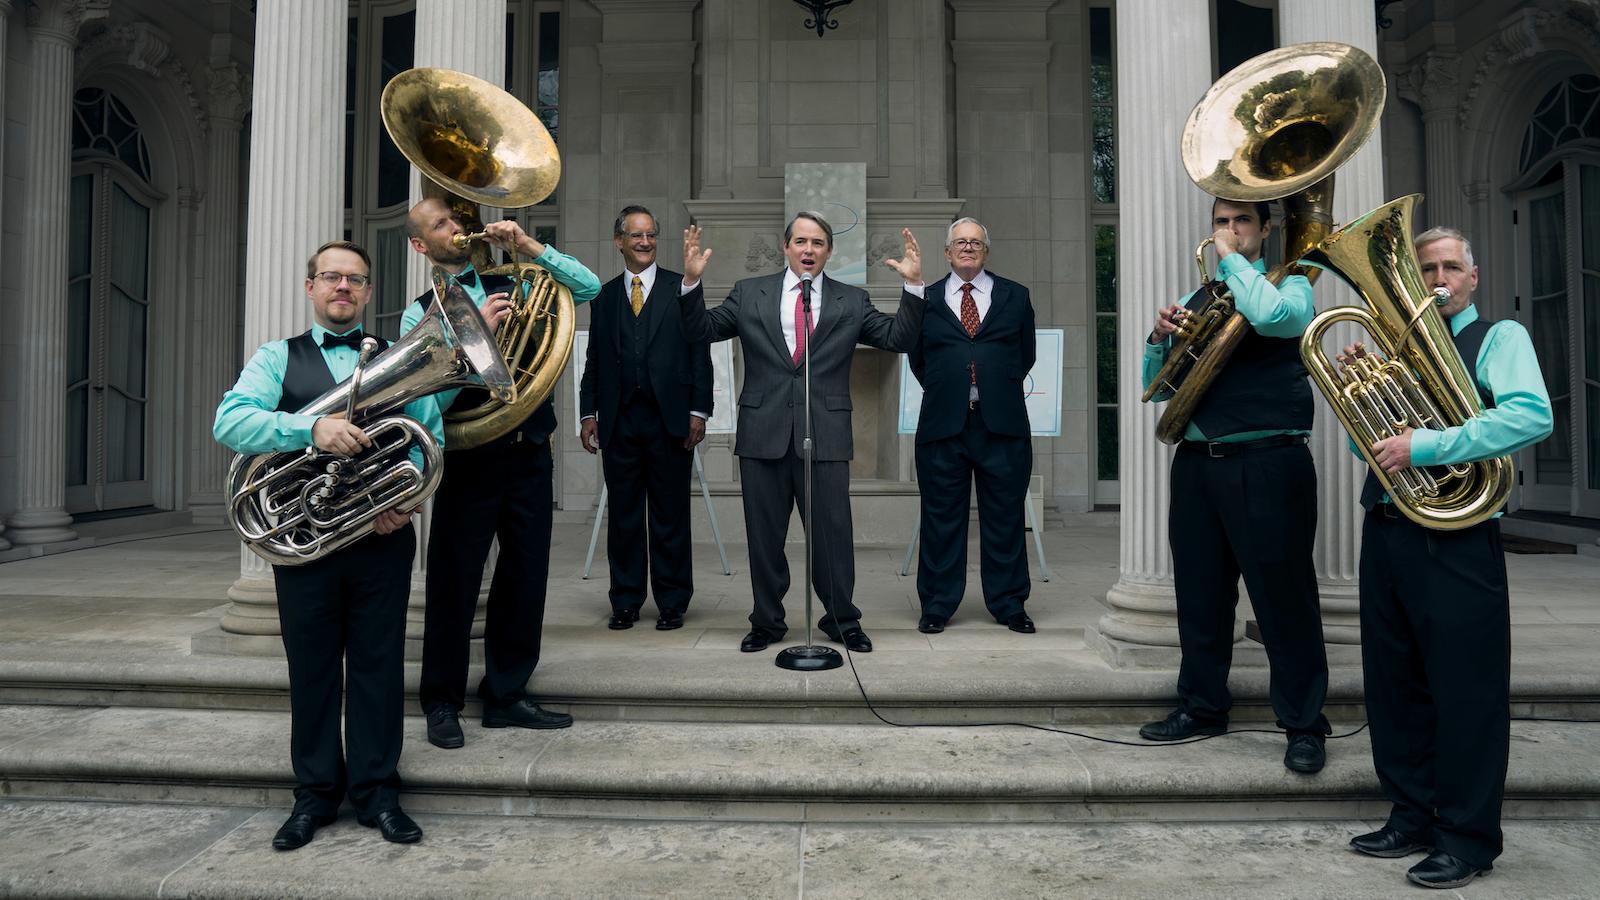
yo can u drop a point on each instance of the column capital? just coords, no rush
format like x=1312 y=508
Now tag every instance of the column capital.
x=228 y=94
x=60 y=19
x=1432 y=82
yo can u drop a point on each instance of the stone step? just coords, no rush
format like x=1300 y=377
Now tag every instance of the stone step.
x=149 y=850
x=986 y=682
x=765 y=772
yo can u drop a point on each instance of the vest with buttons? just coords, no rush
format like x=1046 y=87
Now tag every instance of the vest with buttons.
x=1262 y=388
x=633 y=339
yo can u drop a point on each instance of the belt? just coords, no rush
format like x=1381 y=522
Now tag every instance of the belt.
x=1387 y=511
x=972 y=404
x=1219 y=449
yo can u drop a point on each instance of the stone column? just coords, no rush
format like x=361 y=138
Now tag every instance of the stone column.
x=1359 y=188
x=216 y=363
x=41 y=516
x=296 y=202
x=5 y=18
x=1162 y=67
x=721 y=28
x=469 y=37
x=928 y=55
x=1433 y=83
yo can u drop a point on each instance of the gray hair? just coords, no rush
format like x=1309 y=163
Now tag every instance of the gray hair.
x=949 y=233
x=1439 y=234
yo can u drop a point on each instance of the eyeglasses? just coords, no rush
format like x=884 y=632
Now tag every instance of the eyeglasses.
x=641 y=235
x=968 y=244
x=332 y=279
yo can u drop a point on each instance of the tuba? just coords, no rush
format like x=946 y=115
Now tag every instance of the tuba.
x=478 y=144
x=1274 y=128
x=1420 y=381
x=297 y=506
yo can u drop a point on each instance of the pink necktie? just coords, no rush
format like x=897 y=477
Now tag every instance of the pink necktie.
x=802 y=322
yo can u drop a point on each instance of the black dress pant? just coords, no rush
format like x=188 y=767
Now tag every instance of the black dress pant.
x=647 y=481
x=772 y=489
x=1436 y=660
x=499 y=490
x=946 y=468
x=1253 y=514
x=344 y=633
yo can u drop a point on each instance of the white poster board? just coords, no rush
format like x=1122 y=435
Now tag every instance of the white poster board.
x=1041 y=387
x=722 y=414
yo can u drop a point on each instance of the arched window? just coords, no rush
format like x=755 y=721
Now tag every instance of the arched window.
x=1569 y=112
x=1557 y=199
x=108 y=291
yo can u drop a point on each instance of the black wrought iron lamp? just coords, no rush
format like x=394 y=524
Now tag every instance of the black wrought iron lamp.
x=821 y=11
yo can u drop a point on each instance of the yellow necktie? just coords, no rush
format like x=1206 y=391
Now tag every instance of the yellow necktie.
x=638 y=295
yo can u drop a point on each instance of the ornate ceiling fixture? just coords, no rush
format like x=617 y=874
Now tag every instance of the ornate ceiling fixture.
x=822 y=13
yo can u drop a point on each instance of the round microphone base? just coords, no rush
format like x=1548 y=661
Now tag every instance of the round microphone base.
x=809 y=658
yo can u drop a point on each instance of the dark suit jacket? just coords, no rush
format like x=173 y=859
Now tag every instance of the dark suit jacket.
x=772 y=401
x=679 y=370
x=1003 y=351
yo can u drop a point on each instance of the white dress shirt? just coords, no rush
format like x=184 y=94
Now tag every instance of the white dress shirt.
x=791 y=292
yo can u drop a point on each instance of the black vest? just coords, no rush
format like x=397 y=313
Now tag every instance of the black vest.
x=305 y=375
x=633 y=337
x=1468 y=343
x=1262 y=388
x=537 y=427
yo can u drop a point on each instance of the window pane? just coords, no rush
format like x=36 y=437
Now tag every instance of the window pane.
x=1591 y=215
x=1105 y=377
x=1548 y=243
x=390 y=255
x=130 y=252
x=1594 y=437
x=1553 y=456
x=1106 y=444
x=352 y=56
x=1105 y=268
x=78 y=436
x=78 y=278
x=394 y=172
x=1105 y=155
x=1550 y=342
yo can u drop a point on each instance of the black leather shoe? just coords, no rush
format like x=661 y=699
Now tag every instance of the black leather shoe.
x=524 y=713
x=1441 y=870
x=931 y=624
x=1306 y=754
x=298 y=831
x=1385 y=843
x=754 y=642
x=444 y=728
x=1177 y=726
x=1021 y=624
x=855 y=639
x=396 y=826
x=622 y=620
x=669 y=621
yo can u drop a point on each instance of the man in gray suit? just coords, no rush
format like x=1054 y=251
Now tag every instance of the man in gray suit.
x=770 y=314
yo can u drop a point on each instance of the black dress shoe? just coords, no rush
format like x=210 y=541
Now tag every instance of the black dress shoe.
x=1441 y=870
x=1385 y=843
x=669 y=621
x=524 y=713
x=1021 y=624
x=622 y=620
x=855 y=639
x=444 y=728
x=754 y=642
x=1177 y=726
x=1306 y=754
x=931 y=624
x=298 y=831
x=396 y=826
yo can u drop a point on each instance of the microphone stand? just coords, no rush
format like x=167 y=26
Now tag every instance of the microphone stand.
x=808 y=657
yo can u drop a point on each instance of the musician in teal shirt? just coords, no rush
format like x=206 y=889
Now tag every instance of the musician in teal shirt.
x=1436 y=607
x=343 y=615
x=1244 y=503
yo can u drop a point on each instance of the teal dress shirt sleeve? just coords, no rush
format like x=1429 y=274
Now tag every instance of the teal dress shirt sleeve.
x=1279 y=311
x=248 y=420
x=585 y=286
x=1155 y=356
x=1521 y=417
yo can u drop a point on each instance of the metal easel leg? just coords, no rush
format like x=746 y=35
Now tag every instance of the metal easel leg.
x=1038 y=544
x=711 y=512
x=594 y=535
x=911 y=549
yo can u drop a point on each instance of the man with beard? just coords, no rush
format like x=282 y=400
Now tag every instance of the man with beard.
x=502 y=488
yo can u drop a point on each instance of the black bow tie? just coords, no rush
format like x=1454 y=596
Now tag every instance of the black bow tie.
x=468 y=278
x=351 y=340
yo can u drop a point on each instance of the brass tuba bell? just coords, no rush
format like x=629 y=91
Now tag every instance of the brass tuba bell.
x=479 y=144
x=1274 y=128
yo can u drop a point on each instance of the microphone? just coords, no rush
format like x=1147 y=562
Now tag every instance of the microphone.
x=805 y=289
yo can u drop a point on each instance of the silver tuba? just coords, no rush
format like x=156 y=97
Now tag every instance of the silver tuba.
x=293 y=507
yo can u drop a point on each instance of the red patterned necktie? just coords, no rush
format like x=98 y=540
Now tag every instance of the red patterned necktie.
x=969 y=310
x=802 y=322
